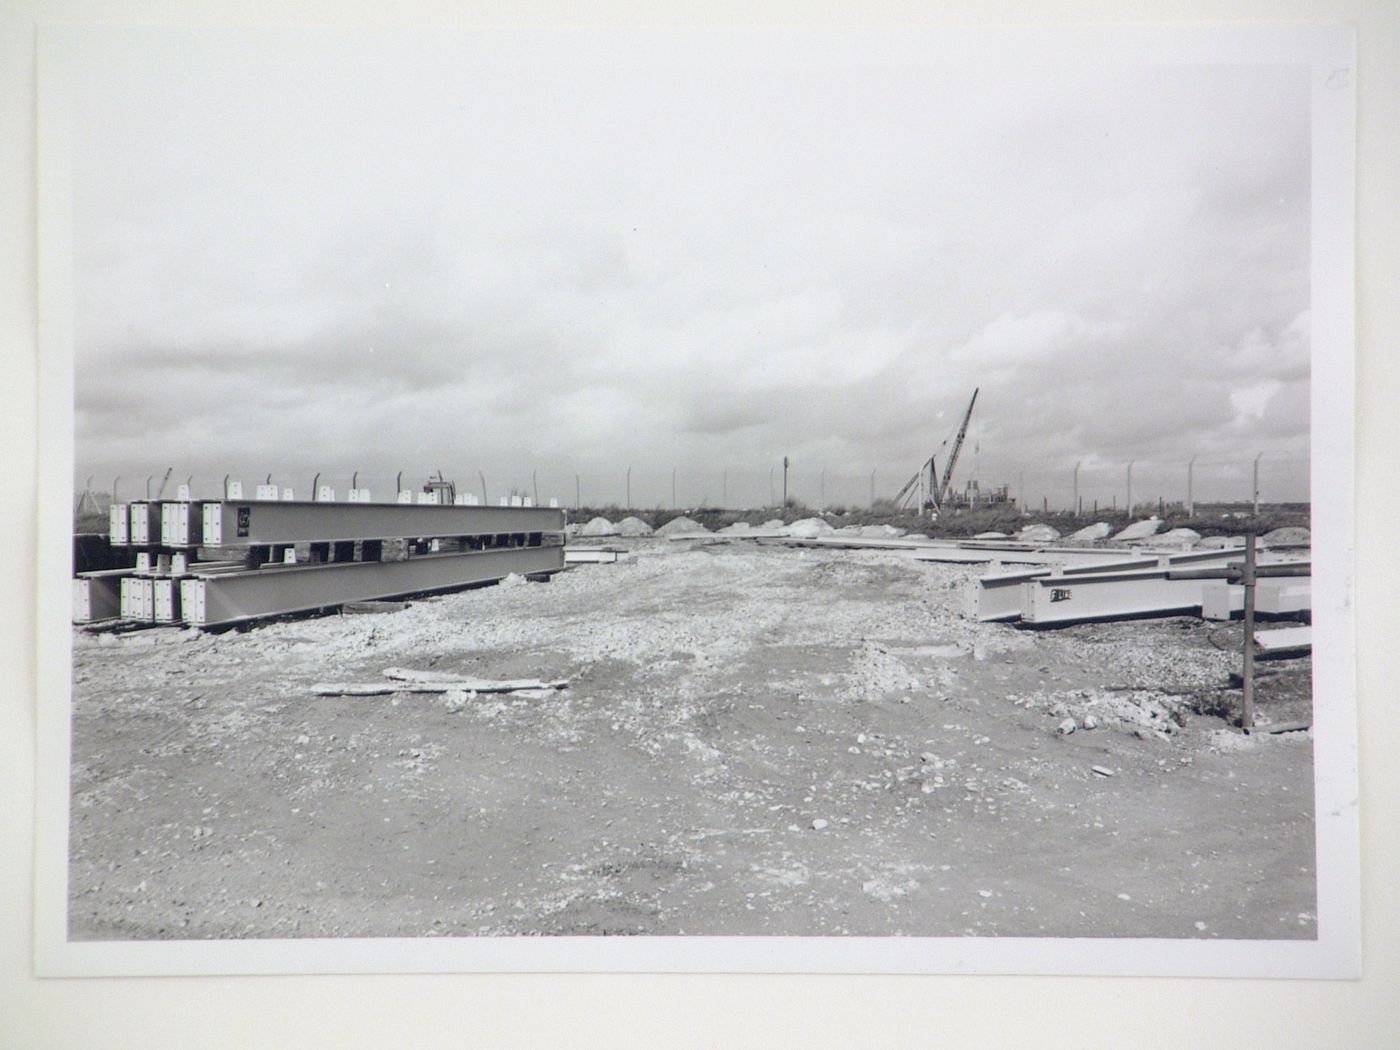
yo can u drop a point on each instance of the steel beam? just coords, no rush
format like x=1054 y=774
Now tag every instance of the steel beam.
x=180 y=524
x=145 y=524
x=228 y=598
x=251 y=523
x=586 y=555
x=1064 y=598
x=1285 y=641
x=97 y=595
x=1001 y=597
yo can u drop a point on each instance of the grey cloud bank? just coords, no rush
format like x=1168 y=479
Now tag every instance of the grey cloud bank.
x=336 y=251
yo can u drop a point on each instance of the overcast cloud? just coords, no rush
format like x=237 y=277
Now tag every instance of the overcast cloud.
x=578 y=252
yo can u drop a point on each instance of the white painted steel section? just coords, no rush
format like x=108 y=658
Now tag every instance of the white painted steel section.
x=119 y=524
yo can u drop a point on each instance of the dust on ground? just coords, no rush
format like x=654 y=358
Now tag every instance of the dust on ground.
x=755 y=740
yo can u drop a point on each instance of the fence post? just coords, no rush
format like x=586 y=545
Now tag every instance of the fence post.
x=1190 y=487
x=1256 y=483
x=1076 y=486
x=1130 y=487
x=629 y=488
x=872 y=489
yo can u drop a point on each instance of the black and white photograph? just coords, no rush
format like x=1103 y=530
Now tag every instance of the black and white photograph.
x=576 y=499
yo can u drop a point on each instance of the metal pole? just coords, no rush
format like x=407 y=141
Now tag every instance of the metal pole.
x=578 y=500
x=629 y=488
x=673 y=488
x=724 y=489
x=535 y=485
x=1022 y=487
x=823 y=489
x=1190 y=488
x=1130 y=487
x=1256 y=483
x=872 y=488
x=770 y=486
x=1076 y=486
x=785 y=470
x=1247 y=703
x=485 y=500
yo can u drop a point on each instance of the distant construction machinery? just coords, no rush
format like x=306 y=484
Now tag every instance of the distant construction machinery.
x=934 y=491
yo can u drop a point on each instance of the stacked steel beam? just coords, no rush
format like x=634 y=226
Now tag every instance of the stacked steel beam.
x=280 y=555
x=1143 y=584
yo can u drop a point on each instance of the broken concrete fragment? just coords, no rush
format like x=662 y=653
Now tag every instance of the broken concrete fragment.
x=1066 y=727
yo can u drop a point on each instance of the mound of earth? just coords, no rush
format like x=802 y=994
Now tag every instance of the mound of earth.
x=1287 y=537
x=1182 y=537
x=633 y=526
x=1211 y=543
x=1140 y=530
x=810 y=528
x=1038 y=533
x=682 y=526
x=1100 y=530
x=738 y=526
x=883 y=532
x=599 y=526
x=991 y=536
x=772 y=523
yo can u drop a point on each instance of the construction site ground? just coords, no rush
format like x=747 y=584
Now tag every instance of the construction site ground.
x=754 y=739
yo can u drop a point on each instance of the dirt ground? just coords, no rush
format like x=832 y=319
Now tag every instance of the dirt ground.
x=754 y=740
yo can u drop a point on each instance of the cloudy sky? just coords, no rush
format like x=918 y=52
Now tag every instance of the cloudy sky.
x=581 y=252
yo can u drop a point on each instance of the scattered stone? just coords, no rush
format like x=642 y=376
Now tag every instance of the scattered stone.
x=455 y=701
x=984 y=893
x=1199 y=924
x=1066 y=727
x=1124 y=897
x=633 y=526
x=1090 y=722
x=1102 y=771
x=599 y=526
x=818 y=824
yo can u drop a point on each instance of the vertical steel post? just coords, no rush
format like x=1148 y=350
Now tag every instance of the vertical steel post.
x=1256 y=483
x=578 y=500
x=1075 y=505
x=535 y=485
x=823 y=489
x=673 y=488
x=872 y=488
x=485 y=501
x=785 y=470
x=1130 y=487
x=1190 y=487
x=724 y=489
x=629 y=488
x=770 y=486
x=1247 y=703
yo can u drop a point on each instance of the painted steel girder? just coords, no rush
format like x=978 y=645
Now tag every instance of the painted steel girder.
x=97 y=595
x=1001 y=597
x=257 y=523
x=228 y=598
x=1077 y=598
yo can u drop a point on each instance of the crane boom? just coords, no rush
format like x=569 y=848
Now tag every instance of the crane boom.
x=942 y=492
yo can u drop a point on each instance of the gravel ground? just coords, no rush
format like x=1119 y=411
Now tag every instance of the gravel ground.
x=755 y=740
